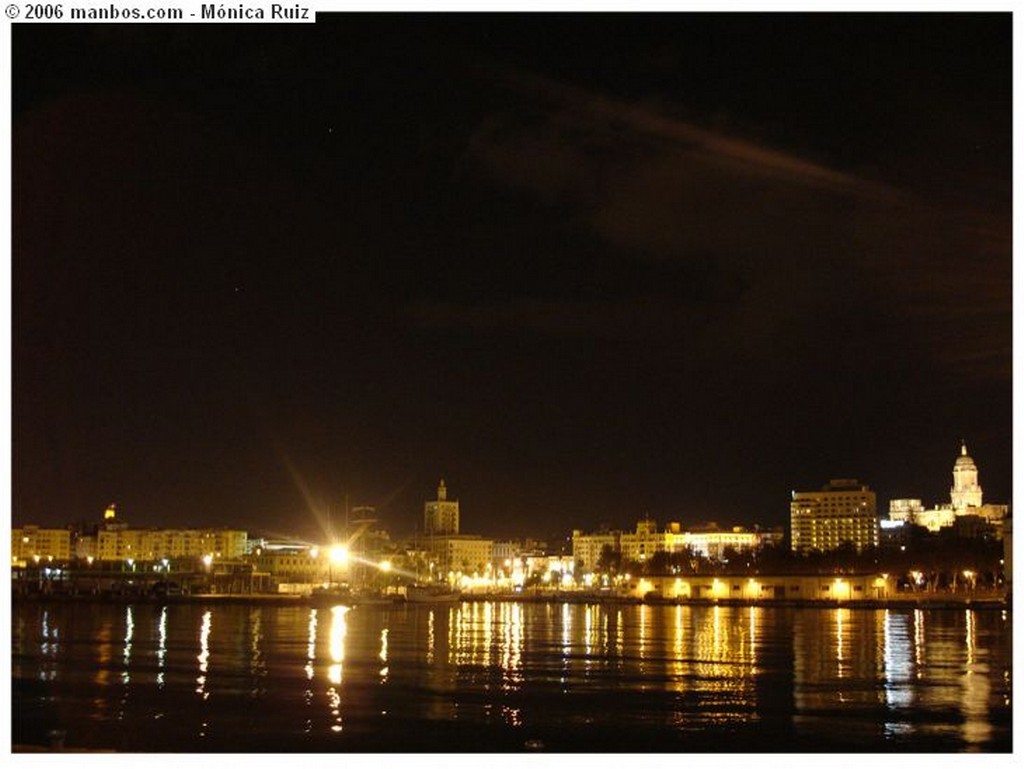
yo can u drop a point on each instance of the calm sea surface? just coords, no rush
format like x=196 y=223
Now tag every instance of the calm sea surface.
x=508 y=676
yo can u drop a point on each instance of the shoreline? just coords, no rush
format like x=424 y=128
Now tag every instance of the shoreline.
x=915 y=601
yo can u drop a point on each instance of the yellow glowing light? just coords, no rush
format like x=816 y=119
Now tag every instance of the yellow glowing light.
x=968 y=574
x=314 y=552
x=207 y=560
x=339 y=555
x=385 y=565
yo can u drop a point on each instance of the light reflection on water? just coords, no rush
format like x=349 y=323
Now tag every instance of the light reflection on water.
x=891 y=676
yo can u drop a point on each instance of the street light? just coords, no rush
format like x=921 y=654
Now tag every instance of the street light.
x=338 y=555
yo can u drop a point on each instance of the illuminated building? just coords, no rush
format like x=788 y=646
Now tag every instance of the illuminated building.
x=851 y=587
x=441 y=516
x=905 y=510
x=843 y=512
x=640 y=545
x=965 y=499
x=645 y=541
x=965 y=491
x=29 y=543
x=712 y=543
x=587 y=548
x=449 y=550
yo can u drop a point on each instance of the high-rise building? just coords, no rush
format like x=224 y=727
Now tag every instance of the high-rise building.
x=441 y=516
x=843 y=512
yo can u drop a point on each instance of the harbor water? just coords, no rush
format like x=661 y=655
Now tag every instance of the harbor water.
x=508 y=676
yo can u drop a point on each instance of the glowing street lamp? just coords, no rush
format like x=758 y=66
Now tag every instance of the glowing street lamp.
x=338 y=555
x=384 y=566
x=207 y=560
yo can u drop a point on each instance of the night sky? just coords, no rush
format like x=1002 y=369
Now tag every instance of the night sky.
x=584 y=267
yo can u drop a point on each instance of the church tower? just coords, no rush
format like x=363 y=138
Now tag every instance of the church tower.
x=965 y=492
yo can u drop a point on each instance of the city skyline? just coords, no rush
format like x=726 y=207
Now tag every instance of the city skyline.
x=584 y=267
x=332 y=523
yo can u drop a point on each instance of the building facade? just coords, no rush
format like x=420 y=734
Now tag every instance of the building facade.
x=145 y=545
x=31 y=543
x=842 y=513
x=965 y=499
x=587 y=548
x=463 y=553
x=441 y=516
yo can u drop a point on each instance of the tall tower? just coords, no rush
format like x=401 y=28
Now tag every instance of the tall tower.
x=965 y=492
x=441 y=516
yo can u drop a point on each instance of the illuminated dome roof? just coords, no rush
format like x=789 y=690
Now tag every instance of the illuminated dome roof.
x=964 y=460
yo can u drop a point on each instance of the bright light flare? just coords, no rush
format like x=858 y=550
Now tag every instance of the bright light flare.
x=338 y=555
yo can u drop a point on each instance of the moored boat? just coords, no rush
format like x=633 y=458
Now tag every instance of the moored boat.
x=431 y=594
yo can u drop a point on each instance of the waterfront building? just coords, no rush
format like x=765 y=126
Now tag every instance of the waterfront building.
x=450 y=551
x=32 y=543
x=146 y=545
x=544 y=565
x=299 y=565
x=504 y=552
x=587 y=548
x=466 y=553
x=645 y=541
x=708 y=541
x=842 y=513
x=848 y=587
x=441 y=516
x=713 y=543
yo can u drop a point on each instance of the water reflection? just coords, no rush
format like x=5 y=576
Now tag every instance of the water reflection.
x=129 y=633
x=889 y=676
x=430 y=637
x=840 y=618
x=204 y=654
x=384 y=654
x=49 y=647
x=310 y=648
x=510 y=652
x=161 y=649
x=339 y=629
x=977 y=727
x=257 y=664
x=897 y=668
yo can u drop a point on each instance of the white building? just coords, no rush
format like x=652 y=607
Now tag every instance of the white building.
x=965 y=498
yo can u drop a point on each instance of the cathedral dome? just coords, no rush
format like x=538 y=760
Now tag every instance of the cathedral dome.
x=964 y=460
